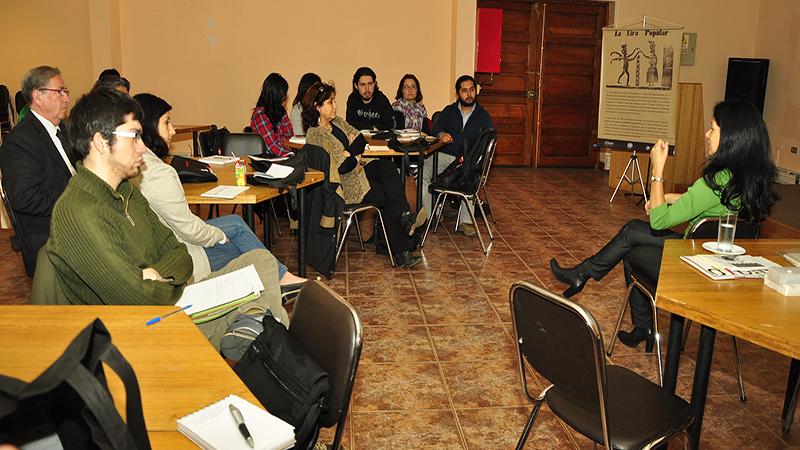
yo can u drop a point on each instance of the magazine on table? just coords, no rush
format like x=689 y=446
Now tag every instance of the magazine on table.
x=720 y=267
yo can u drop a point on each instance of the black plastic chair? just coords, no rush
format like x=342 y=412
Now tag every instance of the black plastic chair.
x=329 y=329
x=466 y=198
x=608 y=404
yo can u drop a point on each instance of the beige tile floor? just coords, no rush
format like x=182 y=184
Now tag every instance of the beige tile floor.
x=438 y=366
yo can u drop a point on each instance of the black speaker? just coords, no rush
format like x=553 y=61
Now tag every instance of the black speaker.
x=747 y=80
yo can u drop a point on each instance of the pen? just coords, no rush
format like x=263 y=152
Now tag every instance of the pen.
x=155 y=320
x=237 y=416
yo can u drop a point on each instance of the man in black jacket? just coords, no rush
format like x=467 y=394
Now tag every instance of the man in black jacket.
x=367 y=106
x=36 y=160
x=460 y=121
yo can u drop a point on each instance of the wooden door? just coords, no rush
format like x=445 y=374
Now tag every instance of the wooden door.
x=508 y=96
x=569 y=87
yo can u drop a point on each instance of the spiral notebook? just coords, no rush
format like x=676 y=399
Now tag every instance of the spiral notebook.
x=213 y=427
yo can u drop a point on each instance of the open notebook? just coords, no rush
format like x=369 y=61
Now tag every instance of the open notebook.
x=213 y=427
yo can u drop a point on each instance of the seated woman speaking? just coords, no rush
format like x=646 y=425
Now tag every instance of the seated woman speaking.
x=737 y=178
x=211 y=244
x=369 y=180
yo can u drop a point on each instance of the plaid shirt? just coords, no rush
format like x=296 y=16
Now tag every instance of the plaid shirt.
x=274 y=137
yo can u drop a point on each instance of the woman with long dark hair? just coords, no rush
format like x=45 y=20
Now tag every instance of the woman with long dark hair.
x=408 y=101
x=211 y=244
x=362 y=180
x=737 y=178
x=295 y=115
x=269 y=118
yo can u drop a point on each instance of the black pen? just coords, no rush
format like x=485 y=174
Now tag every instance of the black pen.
x=237 y=416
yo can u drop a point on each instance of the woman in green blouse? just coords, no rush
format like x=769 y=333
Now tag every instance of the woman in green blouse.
x=737 y=178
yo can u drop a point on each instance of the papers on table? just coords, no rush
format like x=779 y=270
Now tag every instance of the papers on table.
x=376 y=148
x=215 y=297
x=719 y=267
x=275 y=171
x=226 y=192
x=793 y=256
x=214 y=427
x=301 y=140
x=218 y=160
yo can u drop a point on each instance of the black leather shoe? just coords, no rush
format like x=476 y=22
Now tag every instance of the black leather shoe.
x=411 y=221
x=576 y=277
x=407 y=259
x=636 y=336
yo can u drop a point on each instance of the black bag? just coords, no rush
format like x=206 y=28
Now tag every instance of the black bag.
x=71 y=399
x=464 y=173
x=211 y=141
x=285 y=379
x=289 y=183
x=192 y=171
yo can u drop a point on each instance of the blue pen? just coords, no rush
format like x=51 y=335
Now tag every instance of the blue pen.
x=155 y=320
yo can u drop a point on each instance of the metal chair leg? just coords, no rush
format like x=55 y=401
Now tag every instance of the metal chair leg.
x=485 y=220
x=434 y=212
x=385 y=236
x=360 y=239
x=275 y=216
x=440 y=211
x=491 y=211
x=529 y=424
x=343 y=238
x=475 y=224
x=619 y=320
x=742 y=394
x=657 y=337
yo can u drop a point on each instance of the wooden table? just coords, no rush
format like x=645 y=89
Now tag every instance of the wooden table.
x=194 y=129
x=177 y=369
x=252 y=196
x=743 y=308
x=388 y=153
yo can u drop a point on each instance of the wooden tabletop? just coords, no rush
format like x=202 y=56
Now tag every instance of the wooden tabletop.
x=177 y=369
x=253 y=195
x=744 y=308
x=383 y=152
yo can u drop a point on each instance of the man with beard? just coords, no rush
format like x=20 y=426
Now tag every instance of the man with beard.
x=367 y=106
x=106 y=245
x=36 y=161
x=465 y=119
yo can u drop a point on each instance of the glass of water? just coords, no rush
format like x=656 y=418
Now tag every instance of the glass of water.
x=726 y=232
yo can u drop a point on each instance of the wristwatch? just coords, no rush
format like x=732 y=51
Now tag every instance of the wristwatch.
x=656 y=179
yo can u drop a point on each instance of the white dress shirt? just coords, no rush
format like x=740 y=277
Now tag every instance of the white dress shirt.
x=51 y=130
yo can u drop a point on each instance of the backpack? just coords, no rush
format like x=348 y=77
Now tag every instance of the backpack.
x=464 y=173
x=285 y=379
x=71 y=400
x=211 y=141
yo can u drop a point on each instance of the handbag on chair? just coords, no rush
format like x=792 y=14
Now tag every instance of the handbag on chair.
x=70 y=405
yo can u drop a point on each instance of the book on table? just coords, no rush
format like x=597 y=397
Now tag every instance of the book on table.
x=215 y=297
x=214 y=427
x=720 y=267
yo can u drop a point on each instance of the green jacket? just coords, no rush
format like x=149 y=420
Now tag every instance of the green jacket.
x=699 y=202
x=101 y=239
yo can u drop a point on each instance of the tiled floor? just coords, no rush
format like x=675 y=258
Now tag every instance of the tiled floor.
x=438 y=366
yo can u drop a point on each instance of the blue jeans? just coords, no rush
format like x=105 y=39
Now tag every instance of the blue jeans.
x=241 y=239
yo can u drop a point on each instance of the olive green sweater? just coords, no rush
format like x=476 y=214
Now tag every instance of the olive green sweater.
x=101 y=239
x=699 y=202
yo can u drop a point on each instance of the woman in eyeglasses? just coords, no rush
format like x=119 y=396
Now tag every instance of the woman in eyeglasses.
x=368 y=180
x=408 y=101
x=211 y=244
x=737 y=178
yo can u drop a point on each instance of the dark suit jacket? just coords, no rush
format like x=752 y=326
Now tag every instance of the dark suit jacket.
x=34 y=176
x=450 y=122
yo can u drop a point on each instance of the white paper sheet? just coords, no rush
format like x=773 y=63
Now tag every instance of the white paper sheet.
x=223 y=289
x=226 y=192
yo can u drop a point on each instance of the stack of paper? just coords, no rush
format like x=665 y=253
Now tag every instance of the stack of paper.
x=218 y=160
x=301 y=140
x=213 y=427
x=217 y=296
x=275 y=172
x=719 y=267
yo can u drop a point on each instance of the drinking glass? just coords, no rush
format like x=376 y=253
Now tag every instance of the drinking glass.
x=726 y=232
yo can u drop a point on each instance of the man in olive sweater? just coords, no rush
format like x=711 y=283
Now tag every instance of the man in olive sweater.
x=106 y=244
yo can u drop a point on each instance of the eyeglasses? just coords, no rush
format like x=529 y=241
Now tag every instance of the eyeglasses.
x=136 y=135
x=64 y=92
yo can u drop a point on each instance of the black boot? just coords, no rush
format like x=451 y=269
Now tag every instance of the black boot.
x=576 y=277
x=636 y=336
x=407 y=259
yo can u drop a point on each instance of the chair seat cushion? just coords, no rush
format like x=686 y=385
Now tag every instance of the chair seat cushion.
x=639 y=411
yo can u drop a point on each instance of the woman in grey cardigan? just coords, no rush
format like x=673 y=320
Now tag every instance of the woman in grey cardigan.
x=362 y=180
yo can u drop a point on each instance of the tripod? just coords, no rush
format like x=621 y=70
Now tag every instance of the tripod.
x=636 y=176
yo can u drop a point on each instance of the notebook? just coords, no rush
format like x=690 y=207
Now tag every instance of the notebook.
x=215 y=297
x=226 y=192
x=213 y=427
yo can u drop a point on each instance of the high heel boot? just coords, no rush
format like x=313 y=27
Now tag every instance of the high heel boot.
x=576 y=277
x=636 y=336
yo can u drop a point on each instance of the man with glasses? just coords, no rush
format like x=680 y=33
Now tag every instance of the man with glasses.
x=36 y=161
x=106 y=245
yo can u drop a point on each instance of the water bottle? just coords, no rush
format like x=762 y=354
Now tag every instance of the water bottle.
x=239 y=171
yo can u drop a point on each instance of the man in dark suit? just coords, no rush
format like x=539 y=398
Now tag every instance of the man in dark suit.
x=36 y=160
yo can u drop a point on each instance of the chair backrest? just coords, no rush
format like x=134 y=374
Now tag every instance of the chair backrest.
x=562 y=342
x=240 y=144
x=329 y=329
x=706 y=228
x=399 y=119
x=9 y=211
x=487 y=161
